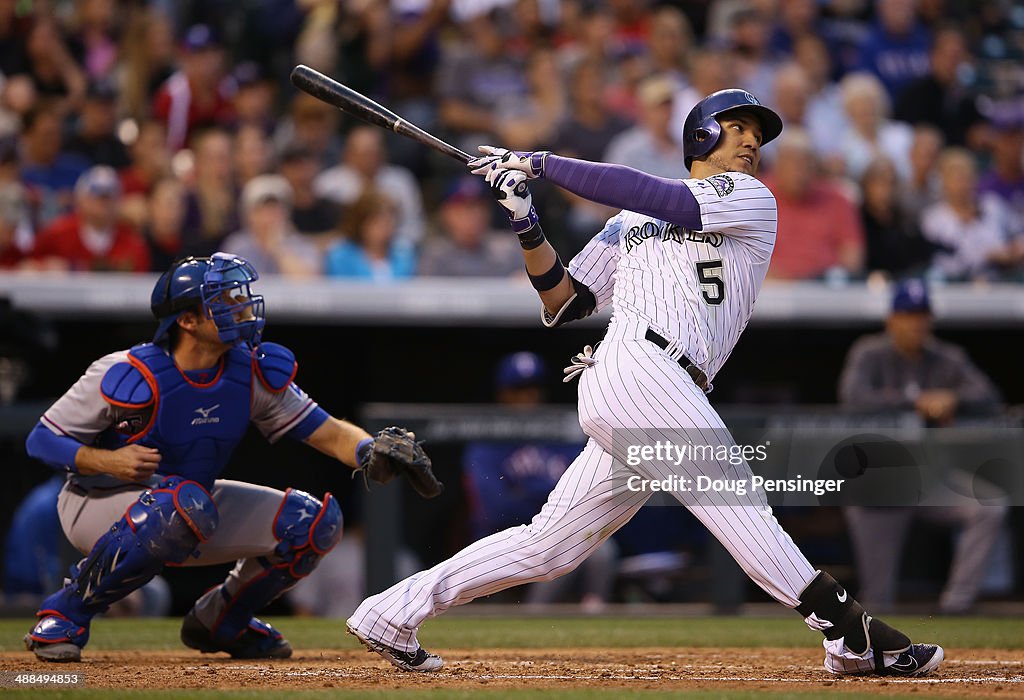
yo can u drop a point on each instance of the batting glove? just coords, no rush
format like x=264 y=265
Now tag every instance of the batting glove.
x=531 y=163
x=509 y=187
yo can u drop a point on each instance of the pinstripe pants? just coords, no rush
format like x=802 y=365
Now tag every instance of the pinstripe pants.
x=634 y=393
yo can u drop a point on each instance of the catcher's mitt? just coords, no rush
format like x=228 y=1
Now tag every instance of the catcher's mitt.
x=395 y=451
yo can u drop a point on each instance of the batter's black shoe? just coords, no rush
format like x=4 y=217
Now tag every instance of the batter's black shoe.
x=257 y=641
x=421 y=660
x=918 y=660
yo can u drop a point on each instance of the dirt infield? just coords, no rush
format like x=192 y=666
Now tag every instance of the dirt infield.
x=975 y=672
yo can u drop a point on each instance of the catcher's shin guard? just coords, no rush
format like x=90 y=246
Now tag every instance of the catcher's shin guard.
x=830 y=609
x=163 y=526
x=306 y=530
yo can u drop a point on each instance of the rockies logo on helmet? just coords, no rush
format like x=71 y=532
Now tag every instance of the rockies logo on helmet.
x=702 y=129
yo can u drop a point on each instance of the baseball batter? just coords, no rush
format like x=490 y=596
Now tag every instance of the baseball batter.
x=681 y=266
x=144 y=435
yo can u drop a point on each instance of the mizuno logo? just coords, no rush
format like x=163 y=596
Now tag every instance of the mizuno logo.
x=841 y=597
x=205 y=415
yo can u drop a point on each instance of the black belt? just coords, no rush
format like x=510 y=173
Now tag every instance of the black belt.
x=695 y=372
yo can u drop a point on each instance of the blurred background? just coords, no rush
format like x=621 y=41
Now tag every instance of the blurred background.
x=133 y=133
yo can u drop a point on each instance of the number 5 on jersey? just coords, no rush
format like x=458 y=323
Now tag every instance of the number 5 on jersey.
x=710 y=275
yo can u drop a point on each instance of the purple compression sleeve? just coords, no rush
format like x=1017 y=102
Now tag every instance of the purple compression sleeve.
x=625 y=188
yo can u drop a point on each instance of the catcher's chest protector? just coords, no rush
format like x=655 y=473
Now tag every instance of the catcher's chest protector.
x=195 y=426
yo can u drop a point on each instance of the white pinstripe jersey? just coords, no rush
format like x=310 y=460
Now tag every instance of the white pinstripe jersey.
x=695 y=287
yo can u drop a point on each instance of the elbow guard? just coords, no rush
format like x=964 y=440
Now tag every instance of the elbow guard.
x=580 y=305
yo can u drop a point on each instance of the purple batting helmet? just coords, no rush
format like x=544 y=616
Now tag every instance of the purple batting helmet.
x=701 y=128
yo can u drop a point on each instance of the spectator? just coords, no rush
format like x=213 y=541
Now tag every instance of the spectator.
x=586 y=133
x=365 y=165
x=669 y=44
x=710 y=70
x=534 y=119
x=92 y=238
x=312 y=124
x=193 y=97
x=268 y=240
x=939 y=98
x=45 y=168
x=14 y=58
x=825 y=116
x=1005 y=178
x=15 y=229
x=975 y=232
x=896 y=48
x=147 y=50
x=93 y=40
x=508 y=482
x=894 y=242
x=749 y=42
x=150 y=159
x=252 y=153
x=922 y=188
x=791 y=97
x=908 y=369
x=96 y=138
x=819 y=230
x=871 y=134
x=468 y=247
x=164 y=222
x=796 y=19
x=253 y=101
x=370 y=250
x=588 y=126
x=312 y=214
x=211 y=212
x=57 y=78
x=477 y=78
x=650 y=146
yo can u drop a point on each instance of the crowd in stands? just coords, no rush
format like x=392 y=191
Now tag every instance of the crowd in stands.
x=134 y=132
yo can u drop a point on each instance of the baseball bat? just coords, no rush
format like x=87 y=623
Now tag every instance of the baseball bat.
x=362 y=107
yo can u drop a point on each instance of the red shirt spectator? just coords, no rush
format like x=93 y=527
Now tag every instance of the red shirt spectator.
x=819 y=227
x=91 y=238
x=192 y=97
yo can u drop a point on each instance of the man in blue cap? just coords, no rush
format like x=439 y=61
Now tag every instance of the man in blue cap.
x=907 y=369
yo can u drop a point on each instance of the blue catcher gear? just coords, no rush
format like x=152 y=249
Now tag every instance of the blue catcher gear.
x=701 y=128
x=220 y=285
x=306 y=530
x=163 y=526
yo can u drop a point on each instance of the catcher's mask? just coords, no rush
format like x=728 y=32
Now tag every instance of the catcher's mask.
x=220 y=285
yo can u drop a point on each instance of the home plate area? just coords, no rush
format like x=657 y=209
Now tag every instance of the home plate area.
x=969 y=672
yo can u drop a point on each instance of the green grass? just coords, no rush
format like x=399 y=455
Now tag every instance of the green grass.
x=483 y=633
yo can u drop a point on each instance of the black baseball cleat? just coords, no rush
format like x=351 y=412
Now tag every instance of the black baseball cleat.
x=420 y=661
x=257 y=641
x=918 y=660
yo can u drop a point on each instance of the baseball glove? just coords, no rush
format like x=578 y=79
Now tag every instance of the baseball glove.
x=394 y=452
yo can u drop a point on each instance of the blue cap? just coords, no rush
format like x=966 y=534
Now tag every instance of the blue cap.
x=99 y=181
x=520 y=369
x=465 y=188
x=911 y=296
x=199 y=37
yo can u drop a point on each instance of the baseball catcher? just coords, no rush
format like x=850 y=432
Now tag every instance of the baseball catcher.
x=144 y=436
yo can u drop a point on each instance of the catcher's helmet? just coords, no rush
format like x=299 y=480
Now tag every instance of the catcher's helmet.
x=203 y=282
x=701 y=128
